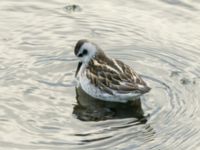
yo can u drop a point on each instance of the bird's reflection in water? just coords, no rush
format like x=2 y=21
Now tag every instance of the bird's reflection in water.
x=90 y=109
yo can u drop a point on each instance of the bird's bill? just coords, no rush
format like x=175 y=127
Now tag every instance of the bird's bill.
x=78 y=68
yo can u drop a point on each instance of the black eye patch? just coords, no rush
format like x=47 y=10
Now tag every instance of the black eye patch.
x=80 y=55
x=85 y=52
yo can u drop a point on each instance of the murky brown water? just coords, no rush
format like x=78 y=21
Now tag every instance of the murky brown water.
x=39 y=106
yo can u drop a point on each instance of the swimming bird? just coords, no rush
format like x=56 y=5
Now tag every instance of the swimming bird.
x=105 y=78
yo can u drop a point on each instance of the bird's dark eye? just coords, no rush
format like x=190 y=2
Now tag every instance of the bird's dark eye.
x=85 y=52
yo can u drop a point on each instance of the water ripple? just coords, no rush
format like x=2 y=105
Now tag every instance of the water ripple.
x=39 y=102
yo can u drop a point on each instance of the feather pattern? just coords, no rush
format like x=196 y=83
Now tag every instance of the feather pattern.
x=105 y=78
x=113 y=75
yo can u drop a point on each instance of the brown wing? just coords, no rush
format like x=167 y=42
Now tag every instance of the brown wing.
x=113 y=75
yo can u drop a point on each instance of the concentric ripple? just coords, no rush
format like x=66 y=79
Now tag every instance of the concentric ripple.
x=41 y=108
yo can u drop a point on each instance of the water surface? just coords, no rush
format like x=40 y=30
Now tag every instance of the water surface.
x=39 y=108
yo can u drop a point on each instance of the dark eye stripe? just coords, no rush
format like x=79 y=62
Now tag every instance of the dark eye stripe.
x=78 y=45
x=85 y=52
x=80 y=55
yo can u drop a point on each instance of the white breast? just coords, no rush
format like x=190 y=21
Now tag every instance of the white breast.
x=95 y=92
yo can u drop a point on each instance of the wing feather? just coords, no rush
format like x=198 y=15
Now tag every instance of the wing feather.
x=111 y=78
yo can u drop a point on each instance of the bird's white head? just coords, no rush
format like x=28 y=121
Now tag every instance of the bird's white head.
x=85 y=50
